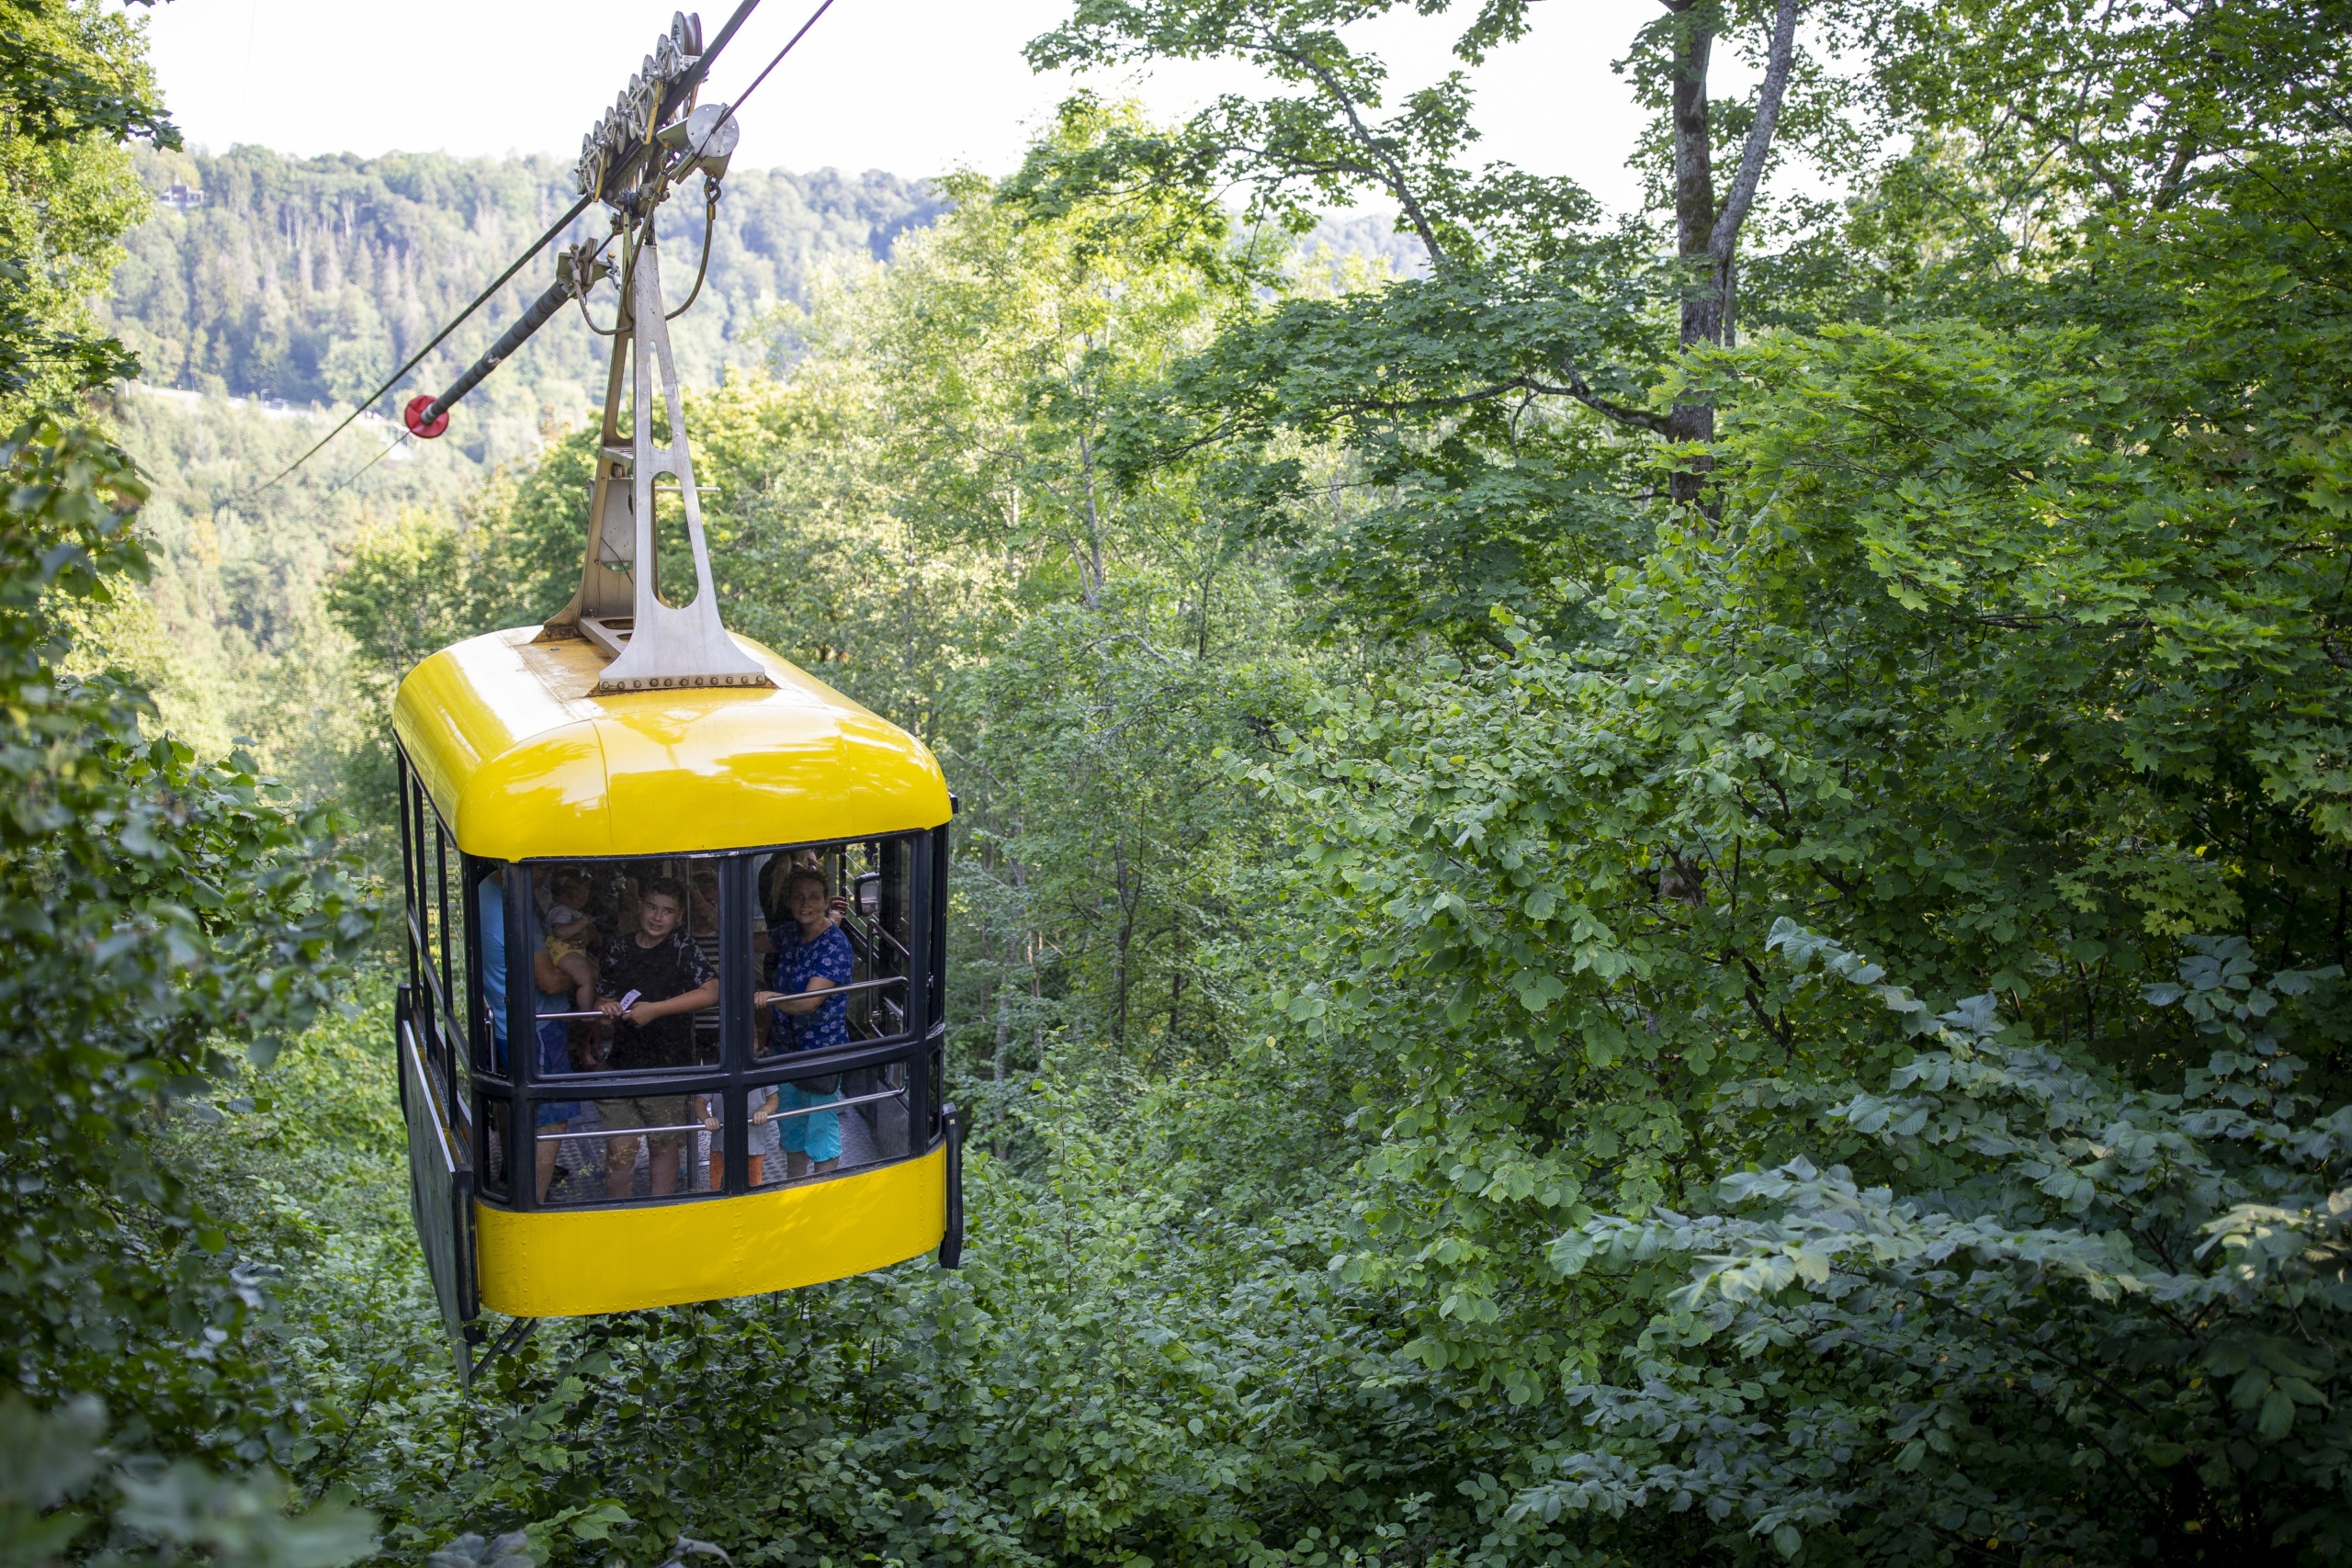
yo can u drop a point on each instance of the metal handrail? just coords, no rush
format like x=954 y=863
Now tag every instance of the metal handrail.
x=620 y=1133
x=701 y=1079
x=698 y=1015
x=706 y=1127
x=828 y=992
x=845 y=989
x=878 y=928
x=832 y=1104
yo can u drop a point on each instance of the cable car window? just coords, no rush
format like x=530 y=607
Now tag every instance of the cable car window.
x=829 y=1124
x=613 y=1150
x=836 y=919
x=486 y=918
x=433 y=871
x=439 y=872
x=495 y=1145
x=625 y=971
x=625 y=959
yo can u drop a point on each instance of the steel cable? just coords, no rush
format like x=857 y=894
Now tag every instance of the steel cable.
x=691 y=81
x=687 y=83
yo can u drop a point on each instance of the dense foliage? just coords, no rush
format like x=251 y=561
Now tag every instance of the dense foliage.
x=73 y=86
x=162 y=912
x=169 y=921
x=2096 y=1314
x=1670 y=887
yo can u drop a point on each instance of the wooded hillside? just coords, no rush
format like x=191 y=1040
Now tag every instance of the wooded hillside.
x=309 y=279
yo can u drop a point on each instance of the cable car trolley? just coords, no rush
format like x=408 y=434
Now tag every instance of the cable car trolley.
x=675 y=910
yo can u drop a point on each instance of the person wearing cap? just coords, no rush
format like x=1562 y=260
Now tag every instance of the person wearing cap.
x=563 y=973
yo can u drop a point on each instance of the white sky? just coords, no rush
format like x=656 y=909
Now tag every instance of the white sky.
x=912 y=87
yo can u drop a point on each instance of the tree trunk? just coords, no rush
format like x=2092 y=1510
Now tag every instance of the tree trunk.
x=1706 y=237
x=1694 y=228
x=1089 y=567
x=1126 y=940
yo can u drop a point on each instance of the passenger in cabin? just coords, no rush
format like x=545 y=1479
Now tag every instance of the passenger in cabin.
x=572 y=935
x=702 y=923
x=624 y=903
x=563 y=980
x=555 y=1116
x=774 y=875
x=703 y=918
x=490 y=901
x=760 y=1107
x=762 y=1104
x=651 y=983
x=812 y=955
x=774 y=894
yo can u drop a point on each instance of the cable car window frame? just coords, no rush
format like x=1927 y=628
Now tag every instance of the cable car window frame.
x=920 y=1043
x=424 y=888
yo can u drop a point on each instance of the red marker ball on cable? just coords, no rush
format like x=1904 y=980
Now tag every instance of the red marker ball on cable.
x=414 y=417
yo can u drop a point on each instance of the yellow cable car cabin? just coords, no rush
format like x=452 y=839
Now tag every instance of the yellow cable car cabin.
x=675 y=911
x=570 y=1162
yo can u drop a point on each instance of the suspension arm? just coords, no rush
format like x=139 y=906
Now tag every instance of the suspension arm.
x=428 y=417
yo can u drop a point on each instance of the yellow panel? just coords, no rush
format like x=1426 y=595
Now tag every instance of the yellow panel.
x=570 y=1264
x=524 y=759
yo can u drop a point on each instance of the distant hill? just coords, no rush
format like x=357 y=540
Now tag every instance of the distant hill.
x=307 y=279
x=1365 y=234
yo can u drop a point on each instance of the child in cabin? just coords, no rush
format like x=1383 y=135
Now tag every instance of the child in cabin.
x=813 y=956
x=565 y=975
x=571 y=933
x=565 y=961
x=759 y=1106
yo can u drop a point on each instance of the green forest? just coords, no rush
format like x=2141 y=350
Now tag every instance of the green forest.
x=1631 y=887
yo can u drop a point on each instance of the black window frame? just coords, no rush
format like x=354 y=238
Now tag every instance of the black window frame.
x=919 y=1044
x=433 y=961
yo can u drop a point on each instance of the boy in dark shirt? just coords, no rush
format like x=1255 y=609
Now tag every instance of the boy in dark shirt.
x=652 y=981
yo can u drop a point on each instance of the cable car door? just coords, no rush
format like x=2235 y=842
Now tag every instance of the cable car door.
x=441 y=1192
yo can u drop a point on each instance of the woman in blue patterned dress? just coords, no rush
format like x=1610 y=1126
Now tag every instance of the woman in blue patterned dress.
x=812 y=955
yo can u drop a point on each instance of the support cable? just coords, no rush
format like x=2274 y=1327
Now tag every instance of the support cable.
x=687 y=83
x=709 y=227
x=704 y=145
x=402 y=440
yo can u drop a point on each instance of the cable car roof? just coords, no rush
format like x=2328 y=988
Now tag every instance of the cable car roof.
x=525 y=760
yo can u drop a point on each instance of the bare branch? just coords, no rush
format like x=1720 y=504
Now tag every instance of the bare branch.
x=1576 y=388
x=2169 y=187
x=1750 y=174
x=1639 y=419
x=1392 y=173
